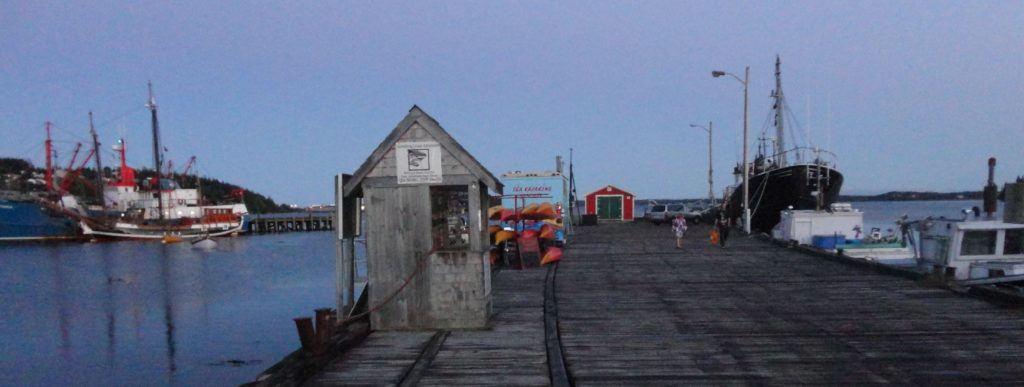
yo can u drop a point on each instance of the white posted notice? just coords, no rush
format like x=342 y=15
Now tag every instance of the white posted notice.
x=418 y=162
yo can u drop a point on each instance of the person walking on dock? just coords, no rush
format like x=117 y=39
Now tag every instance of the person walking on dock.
x=722 y=225
x=679 y=229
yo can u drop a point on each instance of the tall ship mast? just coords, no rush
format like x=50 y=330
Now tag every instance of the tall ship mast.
x=780 y=128
x=801 y=178
x=157 y=159
x=99 y=163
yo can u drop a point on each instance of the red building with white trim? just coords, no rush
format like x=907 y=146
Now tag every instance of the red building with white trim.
x=610 y=203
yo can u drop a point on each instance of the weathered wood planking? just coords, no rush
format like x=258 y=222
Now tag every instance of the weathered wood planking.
x=510 y=352
x=381 y=359
x=635 y=311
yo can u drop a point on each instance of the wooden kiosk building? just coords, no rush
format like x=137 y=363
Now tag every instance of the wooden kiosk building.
x=425 y=200
x=610 y=203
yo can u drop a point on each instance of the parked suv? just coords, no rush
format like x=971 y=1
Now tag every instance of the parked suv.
x=694 y=215
x=663 y=213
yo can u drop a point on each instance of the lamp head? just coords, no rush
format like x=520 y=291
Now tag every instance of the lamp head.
x=717 y=74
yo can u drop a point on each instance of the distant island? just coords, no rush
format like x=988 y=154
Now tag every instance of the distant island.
x=902 y=196
x=893 y=196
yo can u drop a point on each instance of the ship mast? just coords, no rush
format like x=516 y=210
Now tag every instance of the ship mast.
x=780 y=147
x=99 y=164
x=157 y=162
x=49 y=159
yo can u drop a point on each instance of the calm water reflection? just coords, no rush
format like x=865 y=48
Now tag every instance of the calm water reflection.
x=140 y=313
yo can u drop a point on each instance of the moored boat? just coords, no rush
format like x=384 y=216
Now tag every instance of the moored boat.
x=159 y=207
x=34 y=207
x=970 y=249
x=839 y=230
x=24 y=217
x=204 y=242
x=799 y=178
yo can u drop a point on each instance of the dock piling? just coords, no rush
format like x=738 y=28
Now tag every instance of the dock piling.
x=324 y=329
x=295 y=221
x=306 y=334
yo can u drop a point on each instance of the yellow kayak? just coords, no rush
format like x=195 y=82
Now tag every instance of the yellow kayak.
x=504 y=235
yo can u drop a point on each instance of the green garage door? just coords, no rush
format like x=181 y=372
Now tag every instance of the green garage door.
x=609 y=207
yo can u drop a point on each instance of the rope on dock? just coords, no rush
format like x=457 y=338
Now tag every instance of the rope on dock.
x=557 y=370
x=419 y=268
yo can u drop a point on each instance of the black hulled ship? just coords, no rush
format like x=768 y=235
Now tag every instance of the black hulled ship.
x=800 y=178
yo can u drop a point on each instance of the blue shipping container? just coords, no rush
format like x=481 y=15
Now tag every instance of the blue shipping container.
x=828 y=242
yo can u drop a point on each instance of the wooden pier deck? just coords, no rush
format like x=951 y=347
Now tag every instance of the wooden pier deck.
x=633 y=310
x=511 y=352
x=291 y=221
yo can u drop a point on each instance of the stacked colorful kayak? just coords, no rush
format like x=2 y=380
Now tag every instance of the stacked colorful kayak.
x=524 y=237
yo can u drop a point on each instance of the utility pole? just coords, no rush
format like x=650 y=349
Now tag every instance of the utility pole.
x=746 y=167
x=711 y=181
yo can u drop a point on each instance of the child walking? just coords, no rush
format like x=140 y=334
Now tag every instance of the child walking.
x=679 y=229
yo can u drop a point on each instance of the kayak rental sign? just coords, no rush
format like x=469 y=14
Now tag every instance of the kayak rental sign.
x=418 y=162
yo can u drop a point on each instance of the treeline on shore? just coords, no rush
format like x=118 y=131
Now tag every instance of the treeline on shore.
x=20 y=175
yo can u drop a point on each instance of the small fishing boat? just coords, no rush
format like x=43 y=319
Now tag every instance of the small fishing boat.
x=839 y=230
x=971 y=249
x=204 y=242
x=168 y=239
x=975 y=247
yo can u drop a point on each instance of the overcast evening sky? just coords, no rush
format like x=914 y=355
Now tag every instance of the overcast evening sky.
x=279 y=97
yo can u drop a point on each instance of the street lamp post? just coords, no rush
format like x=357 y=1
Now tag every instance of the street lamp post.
x=746 y=169
x=711 y=182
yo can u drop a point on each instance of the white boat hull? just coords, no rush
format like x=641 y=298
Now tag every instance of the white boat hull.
x=878 y=253
x=132 y=231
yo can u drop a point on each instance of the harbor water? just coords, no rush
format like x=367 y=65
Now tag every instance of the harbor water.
x=884 y=214
x=143 y=313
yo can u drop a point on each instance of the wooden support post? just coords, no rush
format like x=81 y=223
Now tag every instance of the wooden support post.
x=345 y=255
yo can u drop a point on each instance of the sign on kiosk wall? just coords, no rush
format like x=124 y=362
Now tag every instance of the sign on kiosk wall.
x=523 y=189
x=544 y=188
x=418 y=162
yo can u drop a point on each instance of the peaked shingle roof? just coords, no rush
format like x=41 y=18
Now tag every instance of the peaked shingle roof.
x=431 y=126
